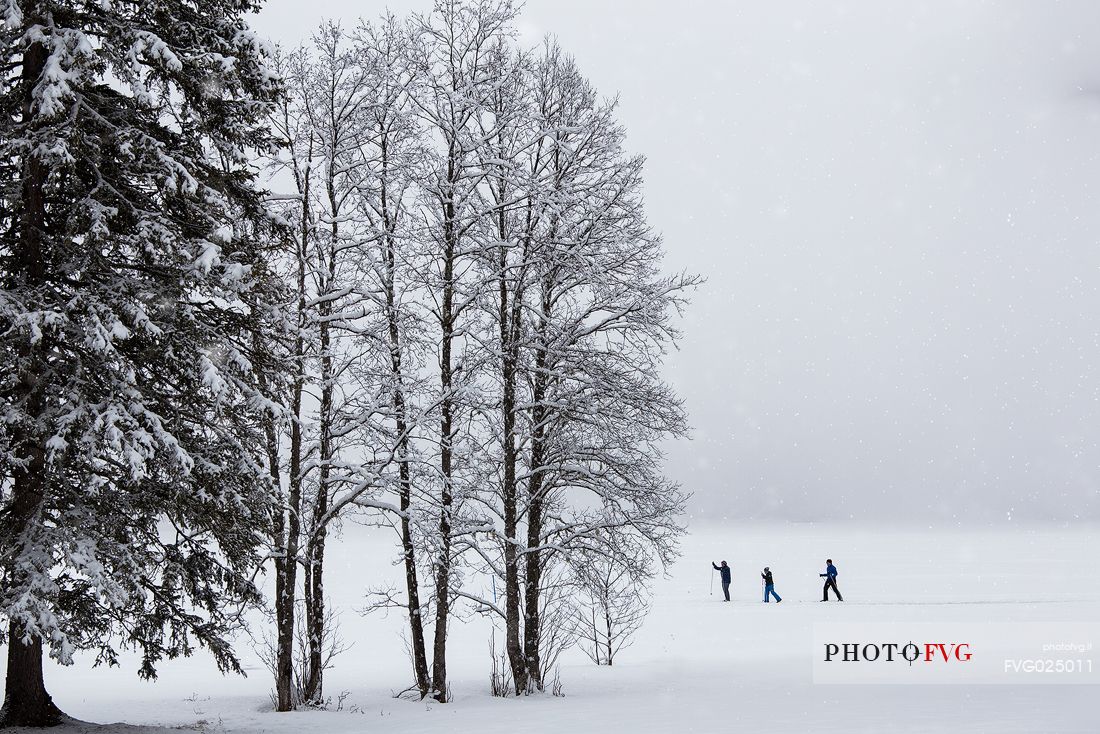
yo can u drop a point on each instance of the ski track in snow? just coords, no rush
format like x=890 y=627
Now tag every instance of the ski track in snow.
x=699 y=665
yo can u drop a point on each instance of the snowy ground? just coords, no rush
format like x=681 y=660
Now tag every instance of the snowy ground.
x=698 y=665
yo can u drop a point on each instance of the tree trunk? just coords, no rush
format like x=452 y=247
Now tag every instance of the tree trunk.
x=443 y=563
x=315 y=616
x=287 y=566
x=532 y=623
x=610 y=644
x=315 y=555
x=508 y=485
x=416 y=622
x=283 y=700
x=26 y=701
x=511 y=556
x=288 y=570
x=535 y=499
x=284 y=666
x=446 y=438
x=408 y=547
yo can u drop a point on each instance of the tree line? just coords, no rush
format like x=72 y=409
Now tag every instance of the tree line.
x=400 y=273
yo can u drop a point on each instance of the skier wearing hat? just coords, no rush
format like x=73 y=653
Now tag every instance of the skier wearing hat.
x=725 y=571
x=769 y=586
x=830 y=581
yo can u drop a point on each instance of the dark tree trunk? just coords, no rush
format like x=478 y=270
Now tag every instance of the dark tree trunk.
x=508 y=318
x=315 y=615
x=446 y=439
x=315 y=555
x=511 y=554
x=443 y=563
x=287 y=566
x=610 y=643
x=536 y=501
x=283 y=699
x=26 y=701
x=532 y=623
x=313 y=691
x=408 y=548
x=283 y=696
x=411 y=585
x=416 y=622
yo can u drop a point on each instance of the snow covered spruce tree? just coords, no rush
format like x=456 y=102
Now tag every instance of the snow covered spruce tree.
x=133 y=292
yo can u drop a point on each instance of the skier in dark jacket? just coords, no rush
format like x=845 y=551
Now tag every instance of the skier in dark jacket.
x=830 y=581
x=725 y=571
x=769 y=586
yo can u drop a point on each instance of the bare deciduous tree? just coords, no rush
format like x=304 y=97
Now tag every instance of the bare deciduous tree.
x=609 y=609
x=455 y=79
x=482 y=321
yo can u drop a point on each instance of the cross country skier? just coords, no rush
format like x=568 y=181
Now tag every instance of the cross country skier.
x=769 y=586
x=725 y=571
x=830 y=581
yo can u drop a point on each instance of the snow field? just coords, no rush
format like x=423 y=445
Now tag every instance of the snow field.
x=698 y=665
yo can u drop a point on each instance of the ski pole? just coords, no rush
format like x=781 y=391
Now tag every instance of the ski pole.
x=712 y=580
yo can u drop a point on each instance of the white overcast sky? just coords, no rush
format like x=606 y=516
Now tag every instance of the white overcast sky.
x=896 y=207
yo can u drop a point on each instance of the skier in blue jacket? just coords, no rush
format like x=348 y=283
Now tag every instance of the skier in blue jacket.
x=830 y=581
x=769 y=585
x=725 y=571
